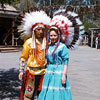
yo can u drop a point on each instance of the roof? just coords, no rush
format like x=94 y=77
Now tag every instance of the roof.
x=8 y=7
x=8 y=11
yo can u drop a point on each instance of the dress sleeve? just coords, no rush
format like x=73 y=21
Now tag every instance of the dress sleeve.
x=25 y=52
x=65 y=55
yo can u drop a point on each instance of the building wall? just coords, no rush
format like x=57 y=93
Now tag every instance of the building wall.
x=5 y=25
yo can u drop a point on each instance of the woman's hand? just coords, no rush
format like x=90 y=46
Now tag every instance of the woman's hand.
x=63 y=79
x=20 y=75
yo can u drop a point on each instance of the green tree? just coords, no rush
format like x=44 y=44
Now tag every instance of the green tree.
x=59 y=2
x=7 y=1
x=26 y=4
x=76 y=2
x=94 y=2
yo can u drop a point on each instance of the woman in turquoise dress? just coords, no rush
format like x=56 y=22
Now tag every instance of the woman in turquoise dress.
x=55 y=83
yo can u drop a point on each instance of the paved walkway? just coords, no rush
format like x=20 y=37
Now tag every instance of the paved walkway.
x=83 y=74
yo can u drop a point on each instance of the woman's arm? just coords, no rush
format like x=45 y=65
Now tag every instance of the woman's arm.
x=63 y=79
x=65 y=58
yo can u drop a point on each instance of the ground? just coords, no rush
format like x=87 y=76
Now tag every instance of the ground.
x=83 y=74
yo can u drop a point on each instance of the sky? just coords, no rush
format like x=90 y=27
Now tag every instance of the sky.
x=85 y=1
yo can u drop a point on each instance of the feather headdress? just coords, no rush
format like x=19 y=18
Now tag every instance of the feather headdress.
x=70 y=26
x=31 y=20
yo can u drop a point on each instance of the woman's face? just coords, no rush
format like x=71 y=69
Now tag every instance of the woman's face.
x=53 y=36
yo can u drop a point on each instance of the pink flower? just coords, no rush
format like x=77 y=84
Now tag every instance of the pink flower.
x=29 y=89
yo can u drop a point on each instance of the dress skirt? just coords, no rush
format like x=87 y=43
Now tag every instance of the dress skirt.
x=52 y=88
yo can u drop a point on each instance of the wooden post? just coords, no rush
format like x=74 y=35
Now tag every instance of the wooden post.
x=92 y=38
x=50 y=2
x=12 y=39
x=44 y=3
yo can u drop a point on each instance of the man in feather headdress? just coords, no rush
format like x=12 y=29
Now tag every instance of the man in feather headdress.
x=33 y=53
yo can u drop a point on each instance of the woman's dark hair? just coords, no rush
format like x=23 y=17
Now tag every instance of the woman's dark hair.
x=52 y=29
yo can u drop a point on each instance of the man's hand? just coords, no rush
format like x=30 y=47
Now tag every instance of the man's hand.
x=20 y=75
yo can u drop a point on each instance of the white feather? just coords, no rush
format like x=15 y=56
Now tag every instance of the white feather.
x=62 y=18
x=72 y=13
x=82 y=32
x=70 y=36
x=32 y=18
x=58 y=11
x=81 y=27
x=78 y=21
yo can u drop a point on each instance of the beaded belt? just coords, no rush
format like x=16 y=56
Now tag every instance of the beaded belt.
x=36 y=68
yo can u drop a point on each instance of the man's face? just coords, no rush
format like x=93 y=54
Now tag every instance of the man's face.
x=39 y=32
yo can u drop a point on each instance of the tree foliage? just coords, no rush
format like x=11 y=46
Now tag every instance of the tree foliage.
x=8 y=2
x=52 y=2
x=26 y=4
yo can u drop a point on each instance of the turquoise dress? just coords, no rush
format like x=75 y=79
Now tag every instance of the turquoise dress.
x=52 y=88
